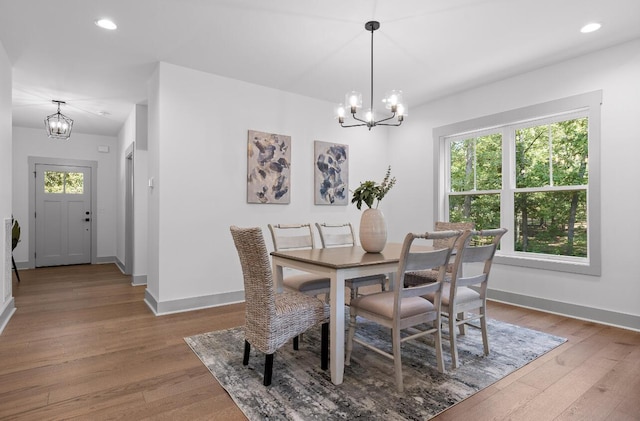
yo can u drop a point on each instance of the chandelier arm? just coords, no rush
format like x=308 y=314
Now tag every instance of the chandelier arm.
x=359 y=119
x=385 y=119
x=351 y=125
x=389 y=124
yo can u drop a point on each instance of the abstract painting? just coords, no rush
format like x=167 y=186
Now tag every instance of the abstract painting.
x=331 y=174
x=268 y=168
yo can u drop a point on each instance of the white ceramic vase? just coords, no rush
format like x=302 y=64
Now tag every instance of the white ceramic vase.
x=373 y=231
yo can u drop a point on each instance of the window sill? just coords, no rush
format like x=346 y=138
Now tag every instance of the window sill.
x=583 y=266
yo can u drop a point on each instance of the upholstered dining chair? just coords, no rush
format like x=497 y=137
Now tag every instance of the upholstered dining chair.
x=404 y=307
x=426 y=276
x=272 y=319
x=467 y=290
x=342 y=235
x=299 y=237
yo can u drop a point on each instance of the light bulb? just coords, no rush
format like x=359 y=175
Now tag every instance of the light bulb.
x=369 y=116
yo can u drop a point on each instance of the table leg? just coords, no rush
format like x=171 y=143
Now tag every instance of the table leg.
x=337 y=326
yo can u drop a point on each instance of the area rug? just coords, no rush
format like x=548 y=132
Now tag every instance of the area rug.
x=300 y=390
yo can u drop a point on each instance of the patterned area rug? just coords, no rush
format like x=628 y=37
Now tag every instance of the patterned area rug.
x=300 y=390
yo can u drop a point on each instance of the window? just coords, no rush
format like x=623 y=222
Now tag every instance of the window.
x=534 y=171
x=63 y=182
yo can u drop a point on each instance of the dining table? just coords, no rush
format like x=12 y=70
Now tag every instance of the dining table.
x=338 y=264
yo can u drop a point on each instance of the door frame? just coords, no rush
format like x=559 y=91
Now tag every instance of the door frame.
x=129 y=164
x=93 y=165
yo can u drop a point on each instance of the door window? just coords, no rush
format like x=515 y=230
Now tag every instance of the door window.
x=63 y=182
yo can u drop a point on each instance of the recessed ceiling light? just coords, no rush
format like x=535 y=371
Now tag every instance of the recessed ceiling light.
x=590 y=27
x=106 y=24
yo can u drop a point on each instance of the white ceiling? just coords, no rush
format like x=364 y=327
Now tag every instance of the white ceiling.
x=318 y=48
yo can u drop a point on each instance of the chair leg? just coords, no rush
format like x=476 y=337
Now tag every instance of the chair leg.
x=350 y=335
x=15 y=269
x=483 y=326
x=295 y=343
x=397 y=358
x=462 y=327
x=324 y=347
x=268 y=369
x=437 y=324
x=247 y=350
x=452 y=340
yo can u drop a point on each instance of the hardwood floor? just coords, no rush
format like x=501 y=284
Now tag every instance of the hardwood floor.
x=82 y=344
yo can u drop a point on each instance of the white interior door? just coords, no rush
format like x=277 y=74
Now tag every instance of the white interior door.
x=63 y=215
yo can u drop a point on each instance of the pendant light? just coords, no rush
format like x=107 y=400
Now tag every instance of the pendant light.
x=58 y=125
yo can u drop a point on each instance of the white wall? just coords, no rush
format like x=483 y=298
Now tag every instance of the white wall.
x=198 y=126
x=33 y=142
x=616 y=72
x=6 y=295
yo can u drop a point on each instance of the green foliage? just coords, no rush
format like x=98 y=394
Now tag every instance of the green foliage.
x=15 y=234
x=554 y=154
x=370 y=191
x=74 y=183
x=476 y=163
x=53 y=182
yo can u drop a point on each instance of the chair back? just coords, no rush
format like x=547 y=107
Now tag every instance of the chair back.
x=416 y=260
x=291 y=236
x=446 y=226
x=482 y=250
x=336 y=235
x=259 y=290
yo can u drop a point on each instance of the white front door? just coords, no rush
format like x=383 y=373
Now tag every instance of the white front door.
x=63 y=215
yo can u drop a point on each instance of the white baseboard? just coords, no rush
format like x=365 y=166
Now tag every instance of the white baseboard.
x=7 y=312
x=137 y=280
x=606 y=317
x=189 y=304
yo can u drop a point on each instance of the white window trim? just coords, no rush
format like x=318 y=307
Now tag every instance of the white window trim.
x=591 y=102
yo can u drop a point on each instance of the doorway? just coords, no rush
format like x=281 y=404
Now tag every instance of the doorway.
x=62 y=203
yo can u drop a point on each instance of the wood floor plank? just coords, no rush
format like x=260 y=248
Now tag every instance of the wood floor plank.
x=83 y=344
x=565 y=391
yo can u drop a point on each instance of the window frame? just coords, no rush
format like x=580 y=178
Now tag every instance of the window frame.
x=587 y=104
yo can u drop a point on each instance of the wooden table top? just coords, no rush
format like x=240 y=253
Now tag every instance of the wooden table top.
x=346 y=257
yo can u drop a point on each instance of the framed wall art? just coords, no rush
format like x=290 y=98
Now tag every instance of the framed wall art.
x=268 y=168
x=331 y=173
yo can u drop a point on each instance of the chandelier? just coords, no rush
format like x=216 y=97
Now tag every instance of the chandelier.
x=58 y=125
x=353 y=100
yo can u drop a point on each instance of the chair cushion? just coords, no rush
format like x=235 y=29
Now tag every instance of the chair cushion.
x=382 y=304
x=306 y=282
x=463 y=295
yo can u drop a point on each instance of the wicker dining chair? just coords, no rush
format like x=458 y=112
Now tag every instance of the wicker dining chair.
x=468 y=290
x=342 y=235
x=299 y=237
x=426 y=276
x=404 y=309
x=272 y=319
